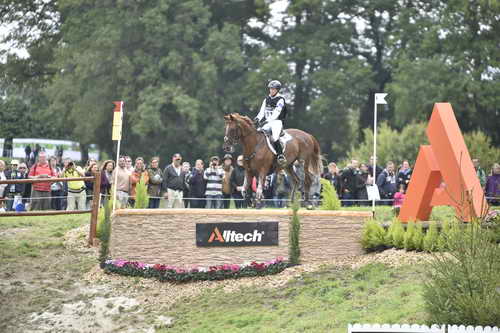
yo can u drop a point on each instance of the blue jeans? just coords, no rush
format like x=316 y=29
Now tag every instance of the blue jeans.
x=214 y=201
x=154 y=203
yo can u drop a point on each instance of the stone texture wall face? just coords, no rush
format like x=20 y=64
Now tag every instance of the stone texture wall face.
x=169 y=237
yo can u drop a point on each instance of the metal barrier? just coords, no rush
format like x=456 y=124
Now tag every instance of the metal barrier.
x=96 y=179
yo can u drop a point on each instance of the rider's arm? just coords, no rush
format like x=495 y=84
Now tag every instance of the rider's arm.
x=260 y=116
x=277 y=110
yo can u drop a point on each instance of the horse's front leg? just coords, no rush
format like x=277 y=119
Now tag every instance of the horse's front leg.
x=246 y=193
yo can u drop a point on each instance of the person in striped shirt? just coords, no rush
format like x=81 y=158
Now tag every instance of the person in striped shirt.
x=214 y=175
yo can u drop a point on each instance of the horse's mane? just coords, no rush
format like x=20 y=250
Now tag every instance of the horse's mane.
x=244 y=119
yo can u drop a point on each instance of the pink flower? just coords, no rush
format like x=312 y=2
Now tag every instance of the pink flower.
x=279 y=259
x=235 y=268
x=180 y=270
x=120 y=263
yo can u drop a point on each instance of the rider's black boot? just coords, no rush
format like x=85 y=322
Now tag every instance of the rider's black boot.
x=279 y=152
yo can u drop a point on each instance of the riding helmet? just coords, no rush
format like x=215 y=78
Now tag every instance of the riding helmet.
x=274 y=84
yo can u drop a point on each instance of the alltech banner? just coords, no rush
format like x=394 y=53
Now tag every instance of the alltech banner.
x=237 y=234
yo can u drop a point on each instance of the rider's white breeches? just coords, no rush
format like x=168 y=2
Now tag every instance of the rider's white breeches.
x=275 y=126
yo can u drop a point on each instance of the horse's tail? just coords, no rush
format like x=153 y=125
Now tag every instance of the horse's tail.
x=316 y=165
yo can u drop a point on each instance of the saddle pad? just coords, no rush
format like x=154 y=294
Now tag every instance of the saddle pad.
x=284 y=138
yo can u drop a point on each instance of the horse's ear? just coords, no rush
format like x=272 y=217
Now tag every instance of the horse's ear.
x=231 y=117
x=226 y=117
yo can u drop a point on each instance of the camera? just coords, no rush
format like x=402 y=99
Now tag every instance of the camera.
x=71 y=165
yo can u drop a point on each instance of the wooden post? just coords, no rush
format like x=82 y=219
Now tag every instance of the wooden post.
x=95 y=208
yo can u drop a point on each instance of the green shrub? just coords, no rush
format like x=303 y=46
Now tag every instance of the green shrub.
x=431 y=238
x=141 y=195
x=408 y=237
x=330 y=199
x=394 y=230
x=443 y=234
x=418 y=237
x=373 y=236
x=398 y=234
x=105 y=231
x=294 y=235
x=462 y=285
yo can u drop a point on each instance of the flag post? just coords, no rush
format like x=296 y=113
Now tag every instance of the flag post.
x=117 y=136
x=379 y=99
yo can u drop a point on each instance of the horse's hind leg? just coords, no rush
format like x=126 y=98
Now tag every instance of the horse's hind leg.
x=295 y=181
x=308 y=178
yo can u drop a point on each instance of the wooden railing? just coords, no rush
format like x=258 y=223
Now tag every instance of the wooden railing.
x=96 y=179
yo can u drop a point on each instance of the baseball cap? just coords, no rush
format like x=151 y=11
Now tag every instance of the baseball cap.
x=228 y=156
x=214 y=158
x=14 y=162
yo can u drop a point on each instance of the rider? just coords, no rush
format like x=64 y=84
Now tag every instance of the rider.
x=271 y=116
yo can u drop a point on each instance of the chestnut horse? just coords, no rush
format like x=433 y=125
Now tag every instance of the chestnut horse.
x=259 y=161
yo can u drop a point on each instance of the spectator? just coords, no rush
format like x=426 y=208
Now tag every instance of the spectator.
x=237 y=179
x=173 y=183
x=3 y=187
x=386 y=182
x=155 y=175
x=493 y=185
x=226 y=182
x=283 y=188
x=64 y=202
x=27 y=187
x=349 y=178
x=90 y=185
x=40 y=195
x=363 y=179
x=77 y=198
x=56 y=188
x=122 y=176
x=27 y=152
x=268 y=190
x=91 y=168
x=399 y=197
x=214 y=175
x=333 y=177
x=404 y=175
x=13 y=191
x=106 y=177
x=197 y=186
x=139 y=175
x=378 y=170
x=481 y=174
x=129 y=167
x=186 y=169
x=315 y=190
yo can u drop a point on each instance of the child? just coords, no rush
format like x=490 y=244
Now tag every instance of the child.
x=398 y=199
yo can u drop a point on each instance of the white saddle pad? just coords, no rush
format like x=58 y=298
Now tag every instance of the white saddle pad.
x=283 y=139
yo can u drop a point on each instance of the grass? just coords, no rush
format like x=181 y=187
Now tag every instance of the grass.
x=324 y=301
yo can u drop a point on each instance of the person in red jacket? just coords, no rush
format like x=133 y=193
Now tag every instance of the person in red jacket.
x=40 y=194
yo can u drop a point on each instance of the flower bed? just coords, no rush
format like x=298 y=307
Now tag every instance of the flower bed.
x=176 y=274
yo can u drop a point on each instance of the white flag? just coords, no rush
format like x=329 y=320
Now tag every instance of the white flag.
x=380 y=98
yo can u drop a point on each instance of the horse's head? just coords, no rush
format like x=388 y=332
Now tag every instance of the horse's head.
x=232 y=133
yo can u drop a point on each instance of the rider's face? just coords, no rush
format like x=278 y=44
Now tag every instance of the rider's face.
x=273 y=91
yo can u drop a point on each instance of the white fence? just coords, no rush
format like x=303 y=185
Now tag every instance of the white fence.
x=405 y=328
x=472 y=329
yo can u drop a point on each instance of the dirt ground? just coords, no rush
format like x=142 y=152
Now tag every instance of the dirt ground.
x=64 y=290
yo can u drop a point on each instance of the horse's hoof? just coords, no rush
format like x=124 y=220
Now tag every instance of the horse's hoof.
x=310 y=207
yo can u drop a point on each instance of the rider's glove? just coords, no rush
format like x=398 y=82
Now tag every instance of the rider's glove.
x=256 y=121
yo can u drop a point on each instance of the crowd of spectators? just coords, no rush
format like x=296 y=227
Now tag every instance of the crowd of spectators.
x=200 y=186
